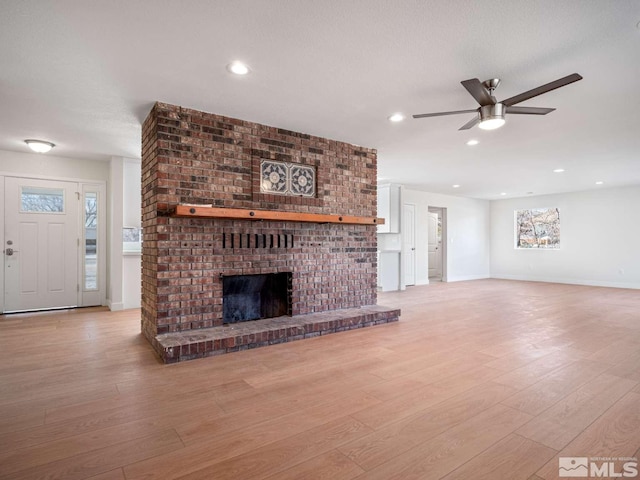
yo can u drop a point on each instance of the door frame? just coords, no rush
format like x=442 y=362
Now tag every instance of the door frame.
x=442 y=213
x=99 y=186
x=403 y=283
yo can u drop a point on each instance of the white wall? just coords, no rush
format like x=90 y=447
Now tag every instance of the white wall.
x=599 y=233
x=50 y=166
x=468 y=231
x=124 y=279
x=132 y=217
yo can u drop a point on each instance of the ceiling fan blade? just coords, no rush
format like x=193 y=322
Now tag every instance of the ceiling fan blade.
x=574 y=77
x=529 y=110
x=478 y=91
x=471 y=123
x=440 y=114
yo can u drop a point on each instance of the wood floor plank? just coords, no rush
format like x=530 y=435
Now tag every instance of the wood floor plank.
x=629 y=367
x=561 y=423
x=328 y=466
x=548 y=391
x=452 y=448
x=116 y=474
x=102 y=419
x=284 y=454
x=617 y=352
x=519 y=358
x=514 y=457
x=104 y=460
x=227 y=437
x=418 y=400
x=616 y=433
x=13 y=460
x=392 y=440
x=533 y=372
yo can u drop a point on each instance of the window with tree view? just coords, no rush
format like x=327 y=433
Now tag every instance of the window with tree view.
x=90 y=241
x=42 y=200
x=537 y=228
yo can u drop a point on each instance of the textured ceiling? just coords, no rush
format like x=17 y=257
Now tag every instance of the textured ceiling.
x=84 y=74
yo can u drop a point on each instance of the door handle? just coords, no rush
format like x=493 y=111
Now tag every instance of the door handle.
x=10 y=251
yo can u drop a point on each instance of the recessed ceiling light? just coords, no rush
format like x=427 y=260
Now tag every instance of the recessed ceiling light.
x=599 y=182
x=455 y=186
x=238 y=68
x=472 y=142
x=39 y=146
x=396 y=117
x=503 y=193
x=558 y=170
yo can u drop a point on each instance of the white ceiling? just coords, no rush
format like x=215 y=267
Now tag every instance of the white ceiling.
x=84 y=74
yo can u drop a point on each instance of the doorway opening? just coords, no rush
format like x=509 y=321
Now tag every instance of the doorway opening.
x=437 y=235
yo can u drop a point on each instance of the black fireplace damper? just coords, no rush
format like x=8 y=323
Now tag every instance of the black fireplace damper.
x=251 y=297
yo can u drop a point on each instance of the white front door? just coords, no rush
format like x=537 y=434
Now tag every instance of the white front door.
x=409 y=243
x=41 y=242
x=435 y=258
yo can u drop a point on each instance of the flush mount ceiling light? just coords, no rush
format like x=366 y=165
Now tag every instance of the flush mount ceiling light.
x=503 y=193
x=39 y=146
x=455 y=186
x=396 y=117
x=472 y=142
x=599 y=182
x=558 y=170
x=238 y=68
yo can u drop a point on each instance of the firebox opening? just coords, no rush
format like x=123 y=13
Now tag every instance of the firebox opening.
x=251 y=297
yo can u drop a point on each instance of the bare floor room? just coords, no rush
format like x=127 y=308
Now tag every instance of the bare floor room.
x=319 y=239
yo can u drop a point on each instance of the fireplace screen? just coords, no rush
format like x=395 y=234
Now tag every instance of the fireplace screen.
x=251 y=297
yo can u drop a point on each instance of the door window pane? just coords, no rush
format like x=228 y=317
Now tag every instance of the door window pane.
x=90 y=241
x=42 y=200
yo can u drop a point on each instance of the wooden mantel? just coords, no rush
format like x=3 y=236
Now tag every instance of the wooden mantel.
x=197 y=211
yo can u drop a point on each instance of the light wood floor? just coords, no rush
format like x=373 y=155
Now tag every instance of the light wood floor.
x=487 y=379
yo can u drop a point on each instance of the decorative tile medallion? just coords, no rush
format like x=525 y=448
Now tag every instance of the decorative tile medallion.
x=273 y=176
x=287 y=179
x=302 y=180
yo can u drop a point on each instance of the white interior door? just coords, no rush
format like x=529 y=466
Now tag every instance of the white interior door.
x=409 y=243
x=435 y=257
x=41 y=244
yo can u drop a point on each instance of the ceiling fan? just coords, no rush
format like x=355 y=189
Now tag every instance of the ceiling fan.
x=491 y=113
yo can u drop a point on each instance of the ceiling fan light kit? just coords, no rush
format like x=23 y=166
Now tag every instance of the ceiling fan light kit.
x=491 y=116
x=491 y=113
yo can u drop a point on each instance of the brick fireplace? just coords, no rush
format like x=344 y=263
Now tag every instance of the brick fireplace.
x=292 y=245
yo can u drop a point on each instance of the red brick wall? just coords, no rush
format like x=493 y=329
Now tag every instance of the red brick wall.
x=195 y=157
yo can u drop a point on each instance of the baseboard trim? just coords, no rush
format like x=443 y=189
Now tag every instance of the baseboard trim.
x=568 y=281
x=115 y=306
x=465 y=278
